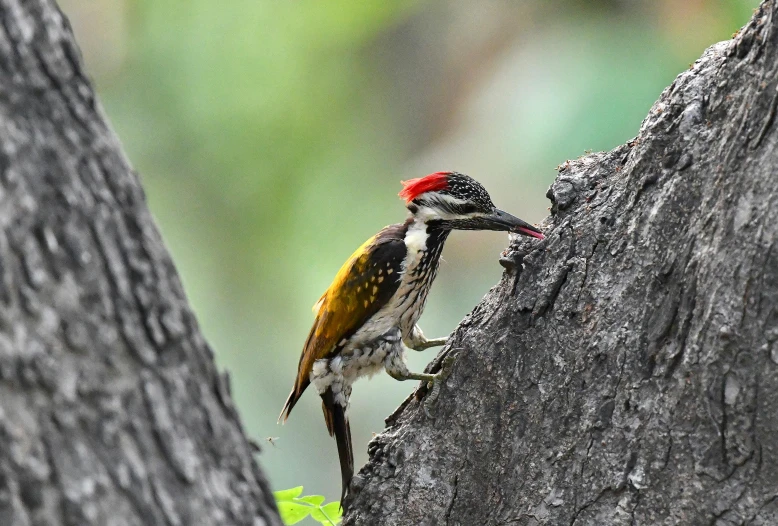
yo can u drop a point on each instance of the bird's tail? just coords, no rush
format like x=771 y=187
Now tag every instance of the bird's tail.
x=294 y=396
x=290 y=402
x=338 y=426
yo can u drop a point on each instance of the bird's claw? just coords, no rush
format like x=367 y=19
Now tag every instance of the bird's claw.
x=418 y=342
x=435 y=342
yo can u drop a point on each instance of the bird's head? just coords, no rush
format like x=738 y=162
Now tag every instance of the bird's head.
x=455 y=201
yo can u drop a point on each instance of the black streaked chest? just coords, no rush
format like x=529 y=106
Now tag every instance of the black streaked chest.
x=420 y=267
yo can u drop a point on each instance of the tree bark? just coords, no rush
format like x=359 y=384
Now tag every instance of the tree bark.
x=112 y=411
x=624 y=370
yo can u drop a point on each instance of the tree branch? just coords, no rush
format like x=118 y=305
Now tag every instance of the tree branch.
x=112 y=409
x=625 y=370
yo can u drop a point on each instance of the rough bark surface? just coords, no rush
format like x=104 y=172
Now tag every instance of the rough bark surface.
x=625 y=370
x=112 y=411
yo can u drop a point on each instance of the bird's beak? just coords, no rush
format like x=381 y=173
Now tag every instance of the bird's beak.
x=503 y=221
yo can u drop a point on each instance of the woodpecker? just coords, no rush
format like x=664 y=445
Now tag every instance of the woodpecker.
x=368 y=314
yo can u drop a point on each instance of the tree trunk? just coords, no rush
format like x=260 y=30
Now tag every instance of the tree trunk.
x=112 y=411
x=625 y=370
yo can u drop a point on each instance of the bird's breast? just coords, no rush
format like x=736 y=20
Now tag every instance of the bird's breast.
x=421 y=268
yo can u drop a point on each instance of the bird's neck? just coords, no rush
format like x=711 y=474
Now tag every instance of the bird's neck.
x=424 y=236
x=424 y=242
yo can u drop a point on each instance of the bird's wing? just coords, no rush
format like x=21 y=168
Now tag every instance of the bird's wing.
x=364 y=284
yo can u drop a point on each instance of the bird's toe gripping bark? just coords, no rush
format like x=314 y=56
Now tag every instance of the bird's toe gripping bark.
x=418 y=342
x=436 y=342
x=433 y=381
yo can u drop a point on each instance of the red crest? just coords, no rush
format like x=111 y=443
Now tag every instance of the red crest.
x=413 y=188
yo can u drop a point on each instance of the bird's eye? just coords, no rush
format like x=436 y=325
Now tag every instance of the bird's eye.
x=466 y=208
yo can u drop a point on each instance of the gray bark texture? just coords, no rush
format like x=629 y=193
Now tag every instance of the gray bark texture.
x=625 y=370
x=112 y=411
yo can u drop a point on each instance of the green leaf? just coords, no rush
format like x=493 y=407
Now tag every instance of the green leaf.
x=329 y=514
x=287 y=494
x=292 y=513
x=314 y=500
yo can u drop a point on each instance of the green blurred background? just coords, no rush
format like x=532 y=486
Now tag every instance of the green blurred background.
x=271 y=137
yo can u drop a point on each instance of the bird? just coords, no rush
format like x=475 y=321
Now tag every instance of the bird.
x=369 y=313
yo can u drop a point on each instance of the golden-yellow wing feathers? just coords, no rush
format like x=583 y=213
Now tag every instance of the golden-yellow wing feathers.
x=364 y=284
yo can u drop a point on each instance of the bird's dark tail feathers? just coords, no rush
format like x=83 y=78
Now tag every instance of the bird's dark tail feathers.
x=338 y=426
x=294 y=396
x=290 y=402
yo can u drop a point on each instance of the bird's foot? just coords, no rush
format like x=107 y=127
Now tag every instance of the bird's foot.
x=426 y=344
x=432 y=382
x=418 y=342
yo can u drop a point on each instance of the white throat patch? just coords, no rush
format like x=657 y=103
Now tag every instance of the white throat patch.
x=416 y=237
